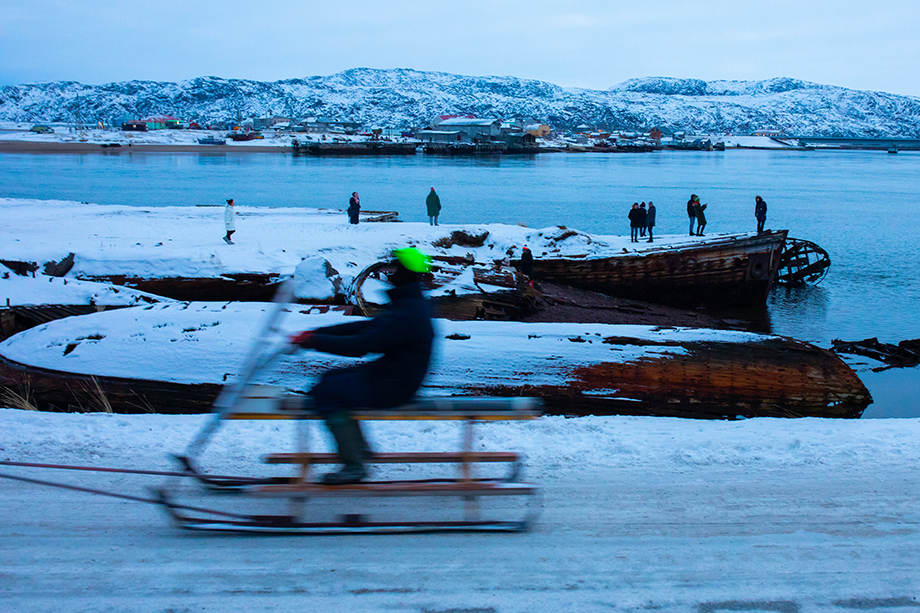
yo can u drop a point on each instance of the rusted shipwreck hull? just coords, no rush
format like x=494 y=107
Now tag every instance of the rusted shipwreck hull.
x=249 y=287
x=721 y=271
x=576 y=369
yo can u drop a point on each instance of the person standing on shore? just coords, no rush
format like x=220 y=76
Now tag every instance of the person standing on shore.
x=433 y=202
x=643 y=217
x=354 y=207
x=700 y=217
x=760 y=213
x=229 y=221
x=650 y=219
x=691 y=210
x=634 y=223
x=527 y=263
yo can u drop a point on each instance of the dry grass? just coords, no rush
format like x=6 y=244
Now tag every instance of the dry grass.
x=100 y=400
x=18 y=399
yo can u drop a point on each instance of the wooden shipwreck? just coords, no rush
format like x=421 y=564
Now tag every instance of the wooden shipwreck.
x=734 y=270
x=576 y=369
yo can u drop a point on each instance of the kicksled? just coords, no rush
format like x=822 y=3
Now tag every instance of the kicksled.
x=461 y=489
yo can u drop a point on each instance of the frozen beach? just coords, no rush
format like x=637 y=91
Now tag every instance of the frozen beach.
x=639 y=514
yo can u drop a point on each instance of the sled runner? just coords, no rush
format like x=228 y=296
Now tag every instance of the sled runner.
x=464 y=484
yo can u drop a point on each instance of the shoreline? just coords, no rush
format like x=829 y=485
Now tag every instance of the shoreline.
x=7 y=146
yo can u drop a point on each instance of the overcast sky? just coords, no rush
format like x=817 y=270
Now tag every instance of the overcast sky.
x=592 y=44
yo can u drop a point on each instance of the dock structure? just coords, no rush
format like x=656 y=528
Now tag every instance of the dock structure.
x=883 y=144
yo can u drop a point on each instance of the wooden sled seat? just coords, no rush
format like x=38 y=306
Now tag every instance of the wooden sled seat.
x=397 y=458
x=399 y=488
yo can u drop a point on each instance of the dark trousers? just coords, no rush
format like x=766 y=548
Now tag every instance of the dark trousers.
x=650 y=232
x=760 y=223
x=334 y=396
x=634 y=234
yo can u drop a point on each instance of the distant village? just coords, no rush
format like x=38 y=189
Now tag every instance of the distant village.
x=453 y=134
x=450 y=133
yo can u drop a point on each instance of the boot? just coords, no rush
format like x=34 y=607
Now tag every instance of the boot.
x=352 y=448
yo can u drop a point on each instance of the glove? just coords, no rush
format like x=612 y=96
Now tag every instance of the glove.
x=304 y=339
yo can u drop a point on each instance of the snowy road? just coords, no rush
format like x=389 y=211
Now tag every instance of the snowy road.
x=639 y=514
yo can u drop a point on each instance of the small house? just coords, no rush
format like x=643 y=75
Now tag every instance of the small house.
x=658 y=132
x=471 y=129
x=161 y=122
x=134 y=125
x=439 y=136
x=539 y=130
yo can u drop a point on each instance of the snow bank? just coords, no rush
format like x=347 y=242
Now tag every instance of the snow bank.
x=554 y=447
x=187 y=241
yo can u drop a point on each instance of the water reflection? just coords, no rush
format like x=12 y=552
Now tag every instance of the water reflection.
x=800 y=311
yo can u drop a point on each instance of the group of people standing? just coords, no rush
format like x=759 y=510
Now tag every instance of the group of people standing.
x=695 y=211
x=642 y=220
x=641 y=217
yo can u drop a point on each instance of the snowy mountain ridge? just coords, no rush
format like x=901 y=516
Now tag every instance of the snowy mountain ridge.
x=405 y=97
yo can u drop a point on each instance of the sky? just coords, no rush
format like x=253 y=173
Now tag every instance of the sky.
x=590 y=44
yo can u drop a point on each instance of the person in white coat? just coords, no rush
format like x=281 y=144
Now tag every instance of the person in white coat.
x=229 y=221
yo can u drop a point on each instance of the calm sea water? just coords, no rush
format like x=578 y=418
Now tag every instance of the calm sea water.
x=862 y=207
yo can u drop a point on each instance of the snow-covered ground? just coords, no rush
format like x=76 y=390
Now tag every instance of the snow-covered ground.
x=186 y=241
x=639 y=514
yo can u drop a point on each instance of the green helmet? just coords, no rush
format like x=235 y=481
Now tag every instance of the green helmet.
x=413 y=259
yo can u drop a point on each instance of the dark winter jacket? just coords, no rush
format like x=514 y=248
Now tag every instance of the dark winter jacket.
x=700 y=216
x=691 y=208
x=760 y=210
x=634 y=216
x=650 y=216
x=353 y=209
x=527 y=262
x=433 y=202
x=403 y=333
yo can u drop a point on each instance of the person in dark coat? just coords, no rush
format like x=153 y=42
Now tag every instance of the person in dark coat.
x=527 y=263
x=354 y=207
x=433 y=203
x=650 y=219
x=700 y=217
x=643 y=216
x=403 y=334
x=760 y=213
x=634 y=223
x=691 y=210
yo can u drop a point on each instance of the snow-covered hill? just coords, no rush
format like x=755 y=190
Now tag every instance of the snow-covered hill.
x=402 y=97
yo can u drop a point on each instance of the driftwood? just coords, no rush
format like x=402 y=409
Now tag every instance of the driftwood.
x=59 y=269
x=903 y=355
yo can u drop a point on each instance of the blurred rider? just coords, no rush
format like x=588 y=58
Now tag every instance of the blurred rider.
x=403 y=334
